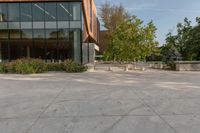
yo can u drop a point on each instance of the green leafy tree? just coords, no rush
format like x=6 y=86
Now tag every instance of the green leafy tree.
x=184 y=30
x=132 y=41
x=169 y=50
x=186 y=42
x=112 y=16
x=193 y=43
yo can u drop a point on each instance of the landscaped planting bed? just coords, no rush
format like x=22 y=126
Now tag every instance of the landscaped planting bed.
x=32 y=66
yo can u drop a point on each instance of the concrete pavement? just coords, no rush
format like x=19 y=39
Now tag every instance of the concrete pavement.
x=101 y=102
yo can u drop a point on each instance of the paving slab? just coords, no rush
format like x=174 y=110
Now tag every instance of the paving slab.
x=140 y=124
x=98 y=108
x=73 y=125
x=184 y=123
x=99 y=92
x=19 y=125
x=114 y=124
x=175 y=106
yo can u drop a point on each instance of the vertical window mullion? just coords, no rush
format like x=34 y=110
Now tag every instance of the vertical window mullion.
x=19 y=5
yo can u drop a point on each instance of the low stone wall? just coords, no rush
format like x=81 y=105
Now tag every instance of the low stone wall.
x=187 y=65
x=158 y=66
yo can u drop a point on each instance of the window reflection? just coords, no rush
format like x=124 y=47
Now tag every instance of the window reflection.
x=27 y=34
x=63 y=24
x=50 y=11
x=26 y=25
x=3 y=34
x=3 y=12
x=5 y=50
x=3 y=25
x=63 y=34
x=38 y=34
x=38 y=25
x=17 y=50
x=50 y=25
x=50 y=31
x=13 y=12
x=13 y=25
x=51 y=34
x=63 y=11
x=15 y=34
x=26 y=13
x=51 y=51
x=75 y=10
x=39 y=49
x=38 y=11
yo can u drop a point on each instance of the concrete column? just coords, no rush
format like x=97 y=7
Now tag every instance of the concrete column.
x=77 y=47
x=91 y=52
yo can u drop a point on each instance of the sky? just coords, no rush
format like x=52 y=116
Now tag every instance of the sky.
x=164 y=13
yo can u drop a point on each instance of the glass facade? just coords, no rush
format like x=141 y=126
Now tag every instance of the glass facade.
x=48 y=30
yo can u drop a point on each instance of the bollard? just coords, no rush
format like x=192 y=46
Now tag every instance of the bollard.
x=126 y=69
x=109 y=68
x=143 y=69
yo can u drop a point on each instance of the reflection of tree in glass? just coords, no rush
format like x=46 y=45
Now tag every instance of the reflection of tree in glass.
x=53 y=35
x=2 y=17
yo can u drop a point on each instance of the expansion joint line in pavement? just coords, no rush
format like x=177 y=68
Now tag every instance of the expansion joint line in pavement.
x=42 y=112
x=118 y=121
x=157 y=113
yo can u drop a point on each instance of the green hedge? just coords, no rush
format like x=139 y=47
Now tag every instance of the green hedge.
x=32 y=66
x=72 y=67
x=26 y=66
x=55 y=67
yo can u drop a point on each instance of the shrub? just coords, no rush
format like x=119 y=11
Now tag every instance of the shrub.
x=31 y=66
x=27 y=66
x=2 y=68
x=55 y=67
x=72 y=67
x=172 y=65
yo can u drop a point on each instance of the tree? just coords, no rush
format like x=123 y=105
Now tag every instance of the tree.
x=132 y=41
x=186 y=41
x=193 y=43
x=112 y=16
x=169 y=50
x=182 y=37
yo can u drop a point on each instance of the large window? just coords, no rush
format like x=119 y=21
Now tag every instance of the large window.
x=38 y=34
x=15 y=34
x=17 y=50
x=46 y=30
x=13 y=12
x=27 y=34
x=5 y=50
x=26 y=12
x=63 y=11
x=51 y=34
x=75 y=9
x=3 y=34
x=50 y=12
x=38 y=11
x=63 y=34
